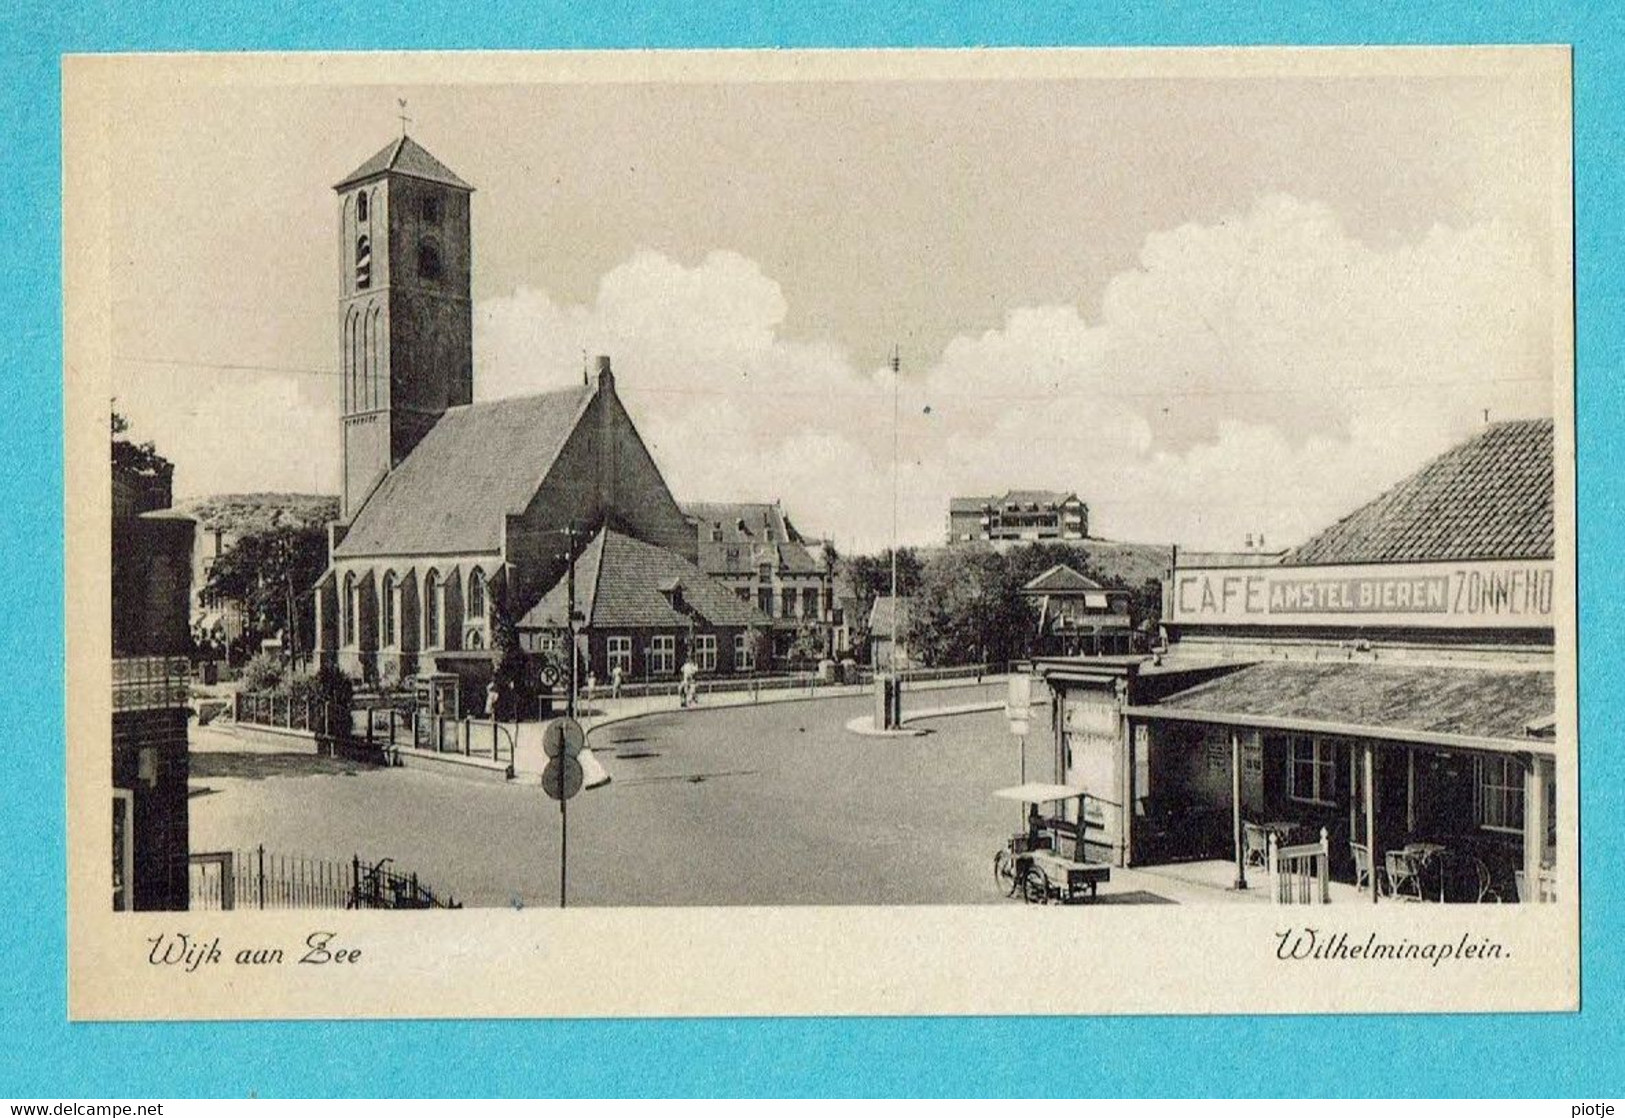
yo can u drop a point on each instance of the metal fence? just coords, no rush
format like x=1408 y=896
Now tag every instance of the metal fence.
x=232 y=879
x=385 y=727
x=809 y=682
x=288 y=713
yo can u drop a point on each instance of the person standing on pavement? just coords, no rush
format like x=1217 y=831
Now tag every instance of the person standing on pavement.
x=615 y=682
x=690 y=688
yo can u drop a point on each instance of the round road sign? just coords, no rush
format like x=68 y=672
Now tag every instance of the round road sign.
x=563 y=737
x=562 y=778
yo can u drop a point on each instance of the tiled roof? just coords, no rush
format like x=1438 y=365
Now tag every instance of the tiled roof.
x=404 y=156
x=478 y=464
x=1472 y=702
x=969 y=504
x=622 y=583
x=1036 y=497
x=1060 y=579
x=753 y=532
x=1489 y=498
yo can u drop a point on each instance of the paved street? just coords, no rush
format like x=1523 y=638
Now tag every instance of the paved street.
x=771 y=804
x=775 y=804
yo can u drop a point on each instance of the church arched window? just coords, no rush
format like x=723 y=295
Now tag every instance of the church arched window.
x=476 y=595
x=374 y=361
x=428 y=261
x=433 y=605
x=349 y=610
x=363 y=261
x=386 y=613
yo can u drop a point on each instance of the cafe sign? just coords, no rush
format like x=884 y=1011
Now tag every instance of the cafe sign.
x=1491 y=594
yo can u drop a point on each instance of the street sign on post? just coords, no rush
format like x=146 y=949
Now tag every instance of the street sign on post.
x=562 y=777
x=563 y=738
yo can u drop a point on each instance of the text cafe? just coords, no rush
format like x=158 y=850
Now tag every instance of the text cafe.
x=1405 y=708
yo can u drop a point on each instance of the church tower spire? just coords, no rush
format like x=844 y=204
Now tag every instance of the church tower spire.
x=405 y=310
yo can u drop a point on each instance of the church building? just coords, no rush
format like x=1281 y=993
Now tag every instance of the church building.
x=452 y=511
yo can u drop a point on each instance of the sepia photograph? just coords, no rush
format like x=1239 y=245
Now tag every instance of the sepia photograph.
x=904 y=487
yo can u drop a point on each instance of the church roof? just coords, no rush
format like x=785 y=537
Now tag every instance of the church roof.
x=478 y=464
x=1489 y=498
x=404 y=156
x=624 y=583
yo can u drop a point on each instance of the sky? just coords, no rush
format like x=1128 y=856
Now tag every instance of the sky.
x=1212 y=304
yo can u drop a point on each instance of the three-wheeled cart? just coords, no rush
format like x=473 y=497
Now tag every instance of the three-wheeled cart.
x=1046 y=861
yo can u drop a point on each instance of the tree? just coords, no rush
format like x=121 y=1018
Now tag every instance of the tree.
x=968 y=608
x=138 y=459
x=870 y=575
x=273 y=575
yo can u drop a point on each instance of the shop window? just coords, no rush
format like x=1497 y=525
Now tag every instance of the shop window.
x=1498 y=793
x=618 y=651
x=705 y=652
x=1311 y=773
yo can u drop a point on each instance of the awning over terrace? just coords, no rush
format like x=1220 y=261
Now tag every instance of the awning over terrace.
x=1471 y=708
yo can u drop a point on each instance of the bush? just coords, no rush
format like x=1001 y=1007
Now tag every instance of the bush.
x=264 y=673
x=329 y=685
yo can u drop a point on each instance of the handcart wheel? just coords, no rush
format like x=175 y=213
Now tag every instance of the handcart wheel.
x=1036 y=885
x=1004 y=873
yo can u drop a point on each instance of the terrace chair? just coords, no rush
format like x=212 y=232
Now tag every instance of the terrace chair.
x=1255 y=842
x=1362 y=864
x=1404 y=880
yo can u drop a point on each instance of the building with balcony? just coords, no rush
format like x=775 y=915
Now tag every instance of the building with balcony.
x=1019 y=515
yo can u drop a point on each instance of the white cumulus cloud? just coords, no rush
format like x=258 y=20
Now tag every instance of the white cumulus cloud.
x=1264 y=373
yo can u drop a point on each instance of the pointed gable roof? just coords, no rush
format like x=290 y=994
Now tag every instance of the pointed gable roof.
x=1489 y=498
x=478 y=464
x=404 y=156
x=1061 y=579
x=624 y=583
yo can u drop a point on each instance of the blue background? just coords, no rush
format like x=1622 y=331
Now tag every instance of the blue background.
x=42 y=1055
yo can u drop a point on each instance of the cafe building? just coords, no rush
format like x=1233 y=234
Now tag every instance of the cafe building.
x=1389 y=684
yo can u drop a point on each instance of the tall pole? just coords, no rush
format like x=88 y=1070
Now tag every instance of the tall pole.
x=896 y=371
x=570 y=708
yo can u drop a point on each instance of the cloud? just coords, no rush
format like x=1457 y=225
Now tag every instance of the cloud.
x=1264 y=373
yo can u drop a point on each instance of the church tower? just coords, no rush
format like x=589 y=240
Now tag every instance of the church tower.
x=405 y=312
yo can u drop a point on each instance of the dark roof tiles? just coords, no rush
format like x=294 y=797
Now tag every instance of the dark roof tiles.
x=404 y=156
x=624 y=583
x=1489 y=498
x=478 y=464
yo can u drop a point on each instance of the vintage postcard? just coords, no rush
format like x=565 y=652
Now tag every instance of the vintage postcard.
x=956 y=532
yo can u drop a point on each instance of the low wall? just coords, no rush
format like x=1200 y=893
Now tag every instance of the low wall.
x=275 y=737
x=453 y=764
